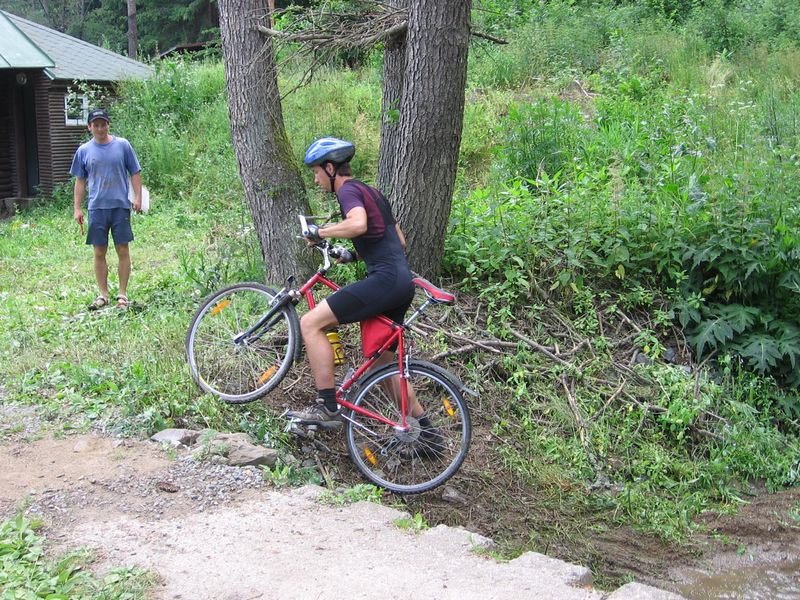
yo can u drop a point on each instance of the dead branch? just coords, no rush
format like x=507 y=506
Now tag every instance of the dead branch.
x=540 y=348
x=487 y=345
x=609 y=401
x=491 y=38
x=585 y=434
x=319 y=31
x=629 y=322
x=454 y=352
x=707 y=433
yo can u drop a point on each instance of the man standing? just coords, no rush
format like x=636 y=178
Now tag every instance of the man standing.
x=105 y=164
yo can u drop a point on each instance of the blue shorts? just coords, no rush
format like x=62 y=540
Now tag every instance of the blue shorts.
x=103 y=220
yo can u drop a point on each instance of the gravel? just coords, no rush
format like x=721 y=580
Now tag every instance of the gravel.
x=200 y=485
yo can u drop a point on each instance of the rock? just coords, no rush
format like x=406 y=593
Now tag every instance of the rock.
x=642 y=359
x=252 y=455
x=176 y=437
x=166 y=486
x=235 y=449
x=554 y=569
x=233 y=439
x=670 y=355
x=453 y=496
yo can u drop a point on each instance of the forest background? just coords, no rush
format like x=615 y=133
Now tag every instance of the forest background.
x=623 y=239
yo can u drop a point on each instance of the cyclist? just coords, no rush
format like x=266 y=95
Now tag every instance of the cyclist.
x=367 y=220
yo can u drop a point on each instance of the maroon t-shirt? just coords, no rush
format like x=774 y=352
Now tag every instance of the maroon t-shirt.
x=355 y=193
x=379 y=246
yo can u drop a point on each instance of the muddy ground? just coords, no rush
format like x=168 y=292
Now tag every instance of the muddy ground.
x=89 y=477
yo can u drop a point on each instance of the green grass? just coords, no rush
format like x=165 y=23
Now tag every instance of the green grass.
x=127 y=368
x=26 y=570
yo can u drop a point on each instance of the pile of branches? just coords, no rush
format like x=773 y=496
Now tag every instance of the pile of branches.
x=566 y=356
x=318 y=29
x=319 y=34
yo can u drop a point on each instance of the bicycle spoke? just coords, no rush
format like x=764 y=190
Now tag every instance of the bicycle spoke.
x=422 y=457
x=239 y=372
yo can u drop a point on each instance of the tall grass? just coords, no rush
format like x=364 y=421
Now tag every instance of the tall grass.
x=654 y=162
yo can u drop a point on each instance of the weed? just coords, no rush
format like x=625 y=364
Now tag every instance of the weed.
x=416 y=523
x=794 y=515
x=291 y=475
x=170 y=451
x=362 y=492
x=26 y=571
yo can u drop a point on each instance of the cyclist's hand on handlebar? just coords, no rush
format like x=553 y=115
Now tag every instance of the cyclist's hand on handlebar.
x=312 y=235
x=342 y=254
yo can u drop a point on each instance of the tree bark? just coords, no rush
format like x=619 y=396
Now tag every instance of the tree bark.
x=272 y=184
x=431 y=118
x=394 y=68
x=133 y=35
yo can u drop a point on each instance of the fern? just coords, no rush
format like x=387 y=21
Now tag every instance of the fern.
x=789 y=342
x=719 y=325
x=761 y=351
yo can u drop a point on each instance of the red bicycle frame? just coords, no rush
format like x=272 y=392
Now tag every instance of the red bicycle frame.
x=396 y=335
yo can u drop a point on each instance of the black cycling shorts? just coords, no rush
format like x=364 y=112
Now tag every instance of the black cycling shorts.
x=375 y=295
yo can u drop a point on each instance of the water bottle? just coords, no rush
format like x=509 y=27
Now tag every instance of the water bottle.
x=336 y=344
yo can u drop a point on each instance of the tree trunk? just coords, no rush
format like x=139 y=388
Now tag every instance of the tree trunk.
x=431 y=118
x=272 y=184
x=394 y=68
x=133 y=35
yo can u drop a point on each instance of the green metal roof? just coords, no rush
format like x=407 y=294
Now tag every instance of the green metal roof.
x=73 y=58
x=17 y=51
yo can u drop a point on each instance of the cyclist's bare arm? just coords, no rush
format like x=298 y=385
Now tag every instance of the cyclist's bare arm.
x=400 y=235
x=353 y=225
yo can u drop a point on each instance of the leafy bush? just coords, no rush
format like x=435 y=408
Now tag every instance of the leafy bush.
x=539 y=138
x=558 y=40
x=172 y=120
x=721 y=26
x=653 y=186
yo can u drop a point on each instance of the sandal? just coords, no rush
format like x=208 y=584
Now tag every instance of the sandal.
x=122 y=301
x=98 y=303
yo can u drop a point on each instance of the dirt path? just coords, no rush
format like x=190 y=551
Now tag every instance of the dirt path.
x=216 y=532
x=212 y=531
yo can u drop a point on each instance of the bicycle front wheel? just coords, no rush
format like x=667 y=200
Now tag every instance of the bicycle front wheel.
x=423 y=457
x=247 y=369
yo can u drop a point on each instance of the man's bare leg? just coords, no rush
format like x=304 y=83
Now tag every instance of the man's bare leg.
x=123 y=268
x=101 y=269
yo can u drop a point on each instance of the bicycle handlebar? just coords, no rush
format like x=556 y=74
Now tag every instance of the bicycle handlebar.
x=308 y=231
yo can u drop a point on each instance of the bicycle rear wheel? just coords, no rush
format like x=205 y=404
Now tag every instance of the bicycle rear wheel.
x=422 y=458
x=247 y=370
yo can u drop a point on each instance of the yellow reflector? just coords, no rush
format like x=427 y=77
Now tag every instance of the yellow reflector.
x=267 y=374
x=220 y=307
x=370 y=456
x=448 y=407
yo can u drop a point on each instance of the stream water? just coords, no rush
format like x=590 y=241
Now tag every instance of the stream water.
x=771 y=581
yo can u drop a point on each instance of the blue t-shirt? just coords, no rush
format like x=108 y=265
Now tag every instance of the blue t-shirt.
x=106 y=168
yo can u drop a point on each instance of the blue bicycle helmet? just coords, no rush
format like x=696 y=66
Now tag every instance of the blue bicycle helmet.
x=329 y=149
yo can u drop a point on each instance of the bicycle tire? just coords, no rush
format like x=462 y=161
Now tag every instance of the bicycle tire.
x=240 y=373
x=405 y=463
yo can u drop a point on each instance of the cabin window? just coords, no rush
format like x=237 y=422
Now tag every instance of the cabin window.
x=76 y=109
